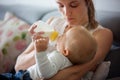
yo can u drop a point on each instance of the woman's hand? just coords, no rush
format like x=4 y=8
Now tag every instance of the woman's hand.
x=31 y=29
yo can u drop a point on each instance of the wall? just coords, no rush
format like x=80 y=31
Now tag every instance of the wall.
x=109 y=5
x=29 y=2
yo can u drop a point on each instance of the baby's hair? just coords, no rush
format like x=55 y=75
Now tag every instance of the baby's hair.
x=82 y=45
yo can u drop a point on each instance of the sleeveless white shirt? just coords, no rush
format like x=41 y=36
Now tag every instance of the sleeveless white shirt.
x=60 y=24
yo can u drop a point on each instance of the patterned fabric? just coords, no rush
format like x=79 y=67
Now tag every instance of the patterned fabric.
x=13 y=40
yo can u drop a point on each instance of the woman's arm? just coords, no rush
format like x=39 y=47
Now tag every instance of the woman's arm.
x=73 y=73
x=104 y=40
x=25 y=59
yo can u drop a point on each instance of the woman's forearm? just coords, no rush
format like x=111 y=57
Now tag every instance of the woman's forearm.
x=25 y=59
x=73 y=73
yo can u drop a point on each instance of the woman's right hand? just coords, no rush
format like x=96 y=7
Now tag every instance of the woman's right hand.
x=31 y=29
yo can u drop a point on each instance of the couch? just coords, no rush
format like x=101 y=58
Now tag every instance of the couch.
x=107 y=14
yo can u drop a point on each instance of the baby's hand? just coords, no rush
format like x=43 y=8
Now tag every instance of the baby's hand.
x=40 y=43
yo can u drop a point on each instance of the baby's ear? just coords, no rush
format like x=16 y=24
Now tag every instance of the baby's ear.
x=65 y=52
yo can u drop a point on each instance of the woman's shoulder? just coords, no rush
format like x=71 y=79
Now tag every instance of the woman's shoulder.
x=100 y=29
x=103 y=32
x=104 y=39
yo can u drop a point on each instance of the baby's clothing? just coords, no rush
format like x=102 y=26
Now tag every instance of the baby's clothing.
x=48 y=64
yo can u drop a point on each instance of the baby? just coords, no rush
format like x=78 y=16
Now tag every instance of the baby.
x=76 y=46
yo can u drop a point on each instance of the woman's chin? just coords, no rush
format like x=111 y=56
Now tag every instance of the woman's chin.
x=72 y=23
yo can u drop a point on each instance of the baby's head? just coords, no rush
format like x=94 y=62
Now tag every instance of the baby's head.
x=78 y=45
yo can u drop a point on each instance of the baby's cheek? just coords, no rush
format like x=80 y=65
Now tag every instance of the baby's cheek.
x=57 y=47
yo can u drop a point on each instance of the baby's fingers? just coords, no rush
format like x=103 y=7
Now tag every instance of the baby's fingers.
x=41 y=44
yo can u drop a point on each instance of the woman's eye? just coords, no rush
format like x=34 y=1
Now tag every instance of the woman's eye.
x=60 y=5
x=73 y=5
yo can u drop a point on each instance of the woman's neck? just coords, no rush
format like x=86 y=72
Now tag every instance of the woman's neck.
x=84 y=23
x=67 y=28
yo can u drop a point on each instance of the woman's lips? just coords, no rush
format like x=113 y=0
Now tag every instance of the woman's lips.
x=70 y=19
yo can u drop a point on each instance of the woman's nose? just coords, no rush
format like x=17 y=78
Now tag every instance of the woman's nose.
x=67 y=11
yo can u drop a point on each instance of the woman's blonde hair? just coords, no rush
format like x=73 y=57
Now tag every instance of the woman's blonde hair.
x=91 y=14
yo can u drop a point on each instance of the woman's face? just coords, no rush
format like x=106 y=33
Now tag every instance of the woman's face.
x=74 y=11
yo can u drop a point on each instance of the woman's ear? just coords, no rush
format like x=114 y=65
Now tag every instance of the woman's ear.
x=66 y=52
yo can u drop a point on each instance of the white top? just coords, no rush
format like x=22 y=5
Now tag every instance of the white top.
x=48 y=64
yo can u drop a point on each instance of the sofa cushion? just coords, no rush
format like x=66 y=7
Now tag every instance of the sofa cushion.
x=28 y=13
x=114 y=58
x=13 y=40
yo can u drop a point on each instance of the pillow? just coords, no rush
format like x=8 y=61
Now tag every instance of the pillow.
x=100 y=74
x=13 y=40
x=102 y=71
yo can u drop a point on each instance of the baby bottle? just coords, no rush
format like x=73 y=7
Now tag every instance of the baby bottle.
x=47 y=29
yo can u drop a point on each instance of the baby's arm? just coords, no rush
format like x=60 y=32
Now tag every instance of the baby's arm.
x=43 y=67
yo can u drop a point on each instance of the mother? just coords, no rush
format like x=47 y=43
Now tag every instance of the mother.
x=74 y=13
